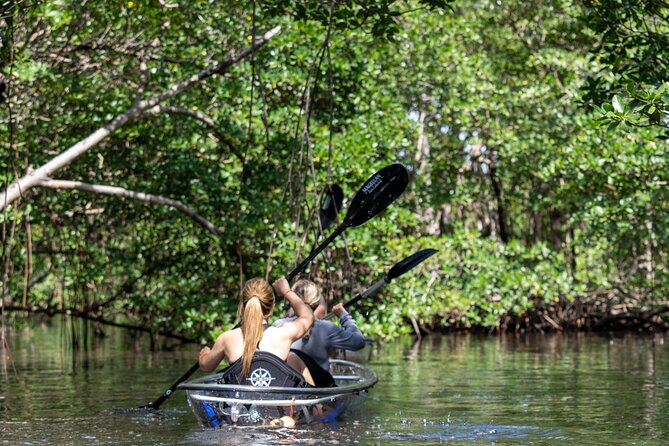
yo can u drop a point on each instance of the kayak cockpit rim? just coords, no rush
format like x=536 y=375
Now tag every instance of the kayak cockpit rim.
x=355 y=383
x=270 y=403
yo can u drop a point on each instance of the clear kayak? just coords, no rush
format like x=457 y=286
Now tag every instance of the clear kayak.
x=361 y=356
x=217 y=404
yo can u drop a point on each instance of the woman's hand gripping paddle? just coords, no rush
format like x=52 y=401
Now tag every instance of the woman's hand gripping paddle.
x=397 y=270
x=378 y=192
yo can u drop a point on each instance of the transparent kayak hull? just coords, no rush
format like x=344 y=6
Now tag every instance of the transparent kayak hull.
x=226 y=404
x=361 y=356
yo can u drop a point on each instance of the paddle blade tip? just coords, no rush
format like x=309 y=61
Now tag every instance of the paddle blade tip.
x=334 y=196
x=378 y=192
x=410 y=262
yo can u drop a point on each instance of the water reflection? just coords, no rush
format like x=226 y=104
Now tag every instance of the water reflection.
x=441 y=431
x=532 y=389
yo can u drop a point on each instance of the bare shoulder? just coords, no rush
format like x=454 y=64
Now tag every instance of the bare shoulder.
x=230 y=344
x=229 y=336
x=282 y=334
x=289 y=331
x=275 y=331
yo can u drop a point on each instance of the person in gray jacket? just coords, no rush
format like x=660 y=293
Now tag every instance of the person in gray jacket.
x=313 y=348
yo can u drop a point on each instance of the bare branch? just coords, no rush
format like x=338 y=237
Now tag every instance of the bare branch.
x=202 y=117
x=147 y=198
x=74 y=312
x=134 y=113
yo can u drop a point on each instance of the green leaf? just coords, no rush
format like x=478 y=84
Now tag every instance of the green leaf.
x=618 y=104
x=613 y=125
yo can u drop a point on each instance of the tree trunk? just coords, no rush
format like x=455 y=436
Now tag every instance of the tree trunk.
x=499 y=200
x=537 y=228
x=556 y=232
x=650 y=248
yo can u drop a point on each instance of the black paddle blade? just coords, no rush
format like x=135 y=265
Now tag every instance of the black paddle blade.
x=334 y=196
x=378 y=192
x=409 y=263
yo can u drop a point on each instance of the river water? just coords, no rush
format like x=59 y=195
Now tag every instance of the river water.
x=457 y=390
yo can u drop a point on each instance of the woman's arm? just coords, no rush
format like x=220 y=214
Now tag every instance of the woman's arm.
x=322 y=309
x=305 y=317
x=210 y=358
x=349 y=335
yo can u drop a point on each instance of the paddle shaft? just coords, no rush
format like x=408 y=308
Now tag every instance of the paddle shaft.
x=397 y=270
x=299 y=268
x=166 y=394
x=365 y=294
x=368 y=292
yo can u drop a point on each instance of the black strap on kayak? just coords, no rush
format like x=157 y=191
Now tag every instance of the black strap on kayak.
x=322 y=378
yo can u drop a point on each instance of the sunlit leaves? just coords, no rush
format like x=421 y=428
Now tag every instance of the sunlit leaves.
x=638 y=108
x=632 y=53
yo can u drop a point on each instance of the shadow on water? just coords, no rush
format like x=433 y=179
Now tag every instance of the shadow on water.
x=456 y=390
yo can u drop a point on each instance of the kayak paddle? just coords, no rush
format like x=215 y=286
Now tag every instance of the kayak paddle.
x=166 y=394
x=329 y=210
x=397 y=270
x=378 y=192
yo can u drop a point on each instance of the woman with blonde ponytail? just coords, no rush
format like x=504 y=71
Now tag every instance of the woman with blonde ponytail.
x=256 y=305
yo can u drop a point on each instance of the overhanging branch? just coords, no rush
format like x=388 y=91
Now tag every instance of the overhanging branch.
x=50 y=311
x=134 y=113
x=141 y=196
x=202 y=117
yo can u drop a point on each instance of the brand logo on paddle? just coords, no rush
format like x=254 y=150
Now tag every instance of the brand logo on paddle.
x=260 y=378
x=373 y=184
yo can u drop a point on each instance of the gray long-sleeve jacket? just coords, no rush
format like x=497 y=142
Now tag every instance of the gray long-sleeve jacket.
x=325 y=335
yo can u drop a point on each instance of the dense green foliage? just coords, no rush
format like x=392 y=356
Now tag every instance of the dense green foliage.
x=632 y=46
x=529 y=198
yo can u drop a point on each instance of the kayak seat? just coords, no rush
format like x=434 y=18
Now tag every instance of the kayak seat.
x=267 y=370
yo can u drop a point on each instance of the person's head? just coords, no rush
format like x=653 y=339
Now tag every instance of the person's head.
x=310 y=295
x=255 y=304
x=308 y=292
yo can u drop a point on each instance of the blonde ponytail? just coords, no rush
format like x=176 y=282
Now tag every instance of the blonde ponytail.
x=256 y=303
x=252 y=330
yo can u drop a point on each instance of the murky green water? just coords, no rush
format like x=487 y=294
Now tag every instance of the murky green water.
x=534 y=390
